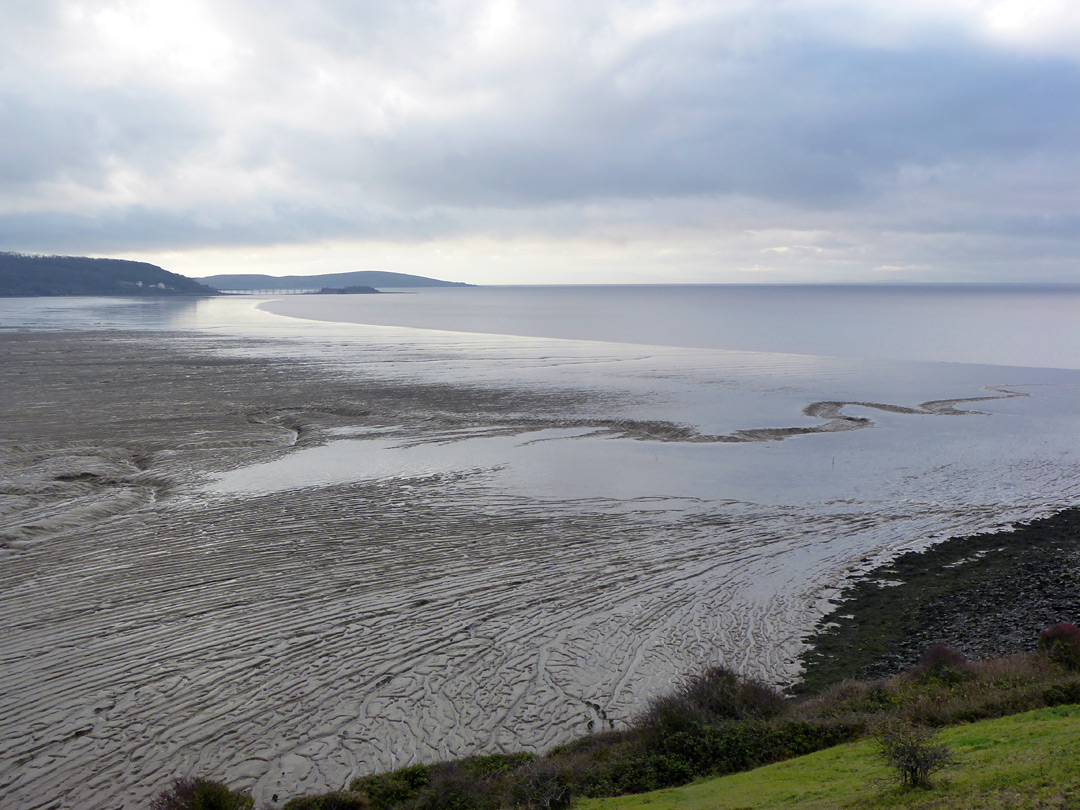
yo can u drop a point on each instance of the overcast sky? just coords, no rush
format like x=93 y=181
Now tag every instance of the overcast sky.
x=548 y=141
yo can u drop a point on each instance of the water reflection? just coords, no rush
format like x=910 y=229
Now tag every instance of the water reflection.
x=992 y=324
x=1037 y=325
x=150 y=314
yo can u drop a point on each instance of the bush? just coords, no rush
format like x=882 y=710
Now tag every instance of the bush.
x=541 y=785
x=1061 y=644
x=942 y=664
x=495 y=764
x=1061 y=694
x=727 y=696
x=795 y=738
x=453 y=787
x=608 y=764
x=342 y=800
x=472 y=783
x=200 y=794
x=712 y=696
x=387 y=789
x=913 y=753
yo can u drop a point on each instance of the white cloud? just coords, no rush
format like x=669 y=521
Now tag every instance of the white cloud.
x=900 y=268
x=794 y=248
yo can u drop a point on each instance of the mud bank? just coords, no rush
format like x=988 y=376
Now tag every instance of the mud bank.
x=290 y=641
x=286 y=640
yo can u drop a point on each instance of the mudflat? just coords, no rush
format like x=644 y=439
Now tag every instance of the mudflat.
x=156 y=623
x=289 y=641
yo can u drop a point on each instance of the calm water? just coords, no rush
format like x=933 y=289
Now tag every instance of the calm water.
x=1036 y=325
x=1000 y=324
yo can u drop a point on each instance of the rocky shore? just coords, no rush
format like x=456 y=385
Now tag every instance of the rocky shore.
x=986 y=595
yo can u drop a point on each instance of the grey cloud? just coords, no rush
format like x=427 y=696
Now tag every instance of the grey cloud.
x=145 y=227
x=40 y=144
x=61 y=133
x=815 y=124
x=57 y=126
x=770 y=106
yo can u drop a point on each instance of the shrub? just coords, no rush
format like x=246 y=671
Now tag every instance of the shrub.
x=942 y=664
x=454 y=787
x=712 y=696
x=495 y=764
x=850 y=701
x=472 y=783
x=1060 y=694
x=541 y=785
x=607 y=764
x=913 y=752
x=387 y=789
x=342 y=800
x=727 y=696
x=795 y=738
x=1061 y=644
x=200 y=794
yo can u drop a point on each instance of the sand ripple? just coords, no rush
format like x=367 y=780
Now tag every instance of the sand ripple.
x=287 y=642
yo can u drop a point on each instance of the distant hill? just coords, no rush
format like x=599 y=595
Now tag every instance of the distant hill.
x=360 y=278
x=23 y=275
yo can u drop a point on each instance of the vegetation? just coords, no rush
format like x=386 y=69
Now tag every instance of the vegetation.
x=1022 y=761
x=22 y=275
x=474 y=782
x=913 y=753
x=1061 y=644
x=338 y=800
x=369 y=278
x=718 y=722
x=200 y=794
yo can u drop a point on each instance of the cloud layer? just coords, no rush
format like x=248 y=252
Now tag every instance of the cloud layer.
x=680 y=141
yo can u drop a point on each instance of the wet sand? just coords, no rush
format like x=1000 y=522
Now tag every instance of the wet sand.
x=288 y=641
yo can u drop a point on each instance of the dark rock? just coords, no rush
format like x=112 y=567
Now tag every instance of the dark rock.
x=985 y=595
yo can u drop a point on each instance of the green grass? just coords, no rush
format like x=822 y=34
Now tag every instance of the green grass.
x=1025 y=761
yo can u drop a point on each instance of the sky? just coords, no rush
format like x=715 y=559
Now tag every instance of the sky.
x=551 y=141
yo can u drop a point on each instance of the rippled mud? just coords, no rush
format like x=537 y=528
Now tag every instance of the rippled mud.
x=157 y=623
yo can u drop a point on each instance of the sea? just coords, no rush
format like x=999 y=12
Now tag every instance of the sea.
x=998 y=324
x=728 y=457
x=727 y=362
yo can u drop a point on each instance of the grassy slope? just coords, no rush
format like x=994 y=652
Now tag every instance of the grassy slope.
x=1030 y=760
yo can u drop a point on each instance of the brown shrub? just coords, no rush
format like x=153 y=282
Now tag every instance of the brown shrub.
x=1061 y=644
x=200 y=794
x=711 y=696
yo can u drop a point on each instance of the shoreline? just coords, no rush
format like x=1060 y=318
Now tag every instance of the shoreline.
x=322 y=633
x=985 y=595
x=317 y=634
